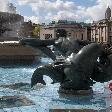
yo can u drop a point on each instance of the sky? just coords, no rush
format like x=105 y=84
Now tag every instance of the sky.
x=45 y=11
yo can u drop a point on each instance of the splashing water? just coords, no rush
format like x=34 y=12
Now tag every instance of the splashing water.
x=6 y=6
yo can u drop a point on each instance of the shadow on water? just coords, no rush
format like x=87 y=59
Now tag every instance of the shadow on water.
x=14 y=101
x=22 y=86
x=18 y=86
x=80 y=99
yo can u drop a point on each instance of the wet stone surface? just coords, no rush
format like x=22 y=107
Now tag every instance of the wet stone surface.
x=72 y=110
x=75 y=92
x=18 y=86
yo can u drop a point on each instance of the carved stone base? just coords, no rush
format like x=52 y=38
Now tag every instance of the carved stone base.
x=75 y=92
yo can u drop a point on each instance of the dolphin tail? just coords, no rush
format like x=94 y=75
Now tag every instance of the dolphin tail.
x=37 y=76
x=55 y=72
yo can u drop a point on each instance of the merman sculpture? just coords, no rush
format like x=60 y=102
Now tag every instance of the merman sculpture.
x=78 y=71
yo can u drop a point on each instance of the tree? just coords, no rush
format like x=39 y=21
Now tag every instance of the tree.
x=61 y=33
x=36 y=31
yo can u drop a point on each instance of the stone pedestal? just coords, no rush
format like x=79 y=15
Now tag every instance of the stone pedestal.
x=75 y=92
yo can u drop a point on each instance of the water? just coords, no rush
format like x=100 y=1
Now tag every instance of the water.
x=47 y=97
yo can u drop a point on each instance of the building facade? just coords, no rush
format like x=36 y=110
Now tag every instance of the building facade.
x=73 y=30
x=29 y=30
x=101 y=31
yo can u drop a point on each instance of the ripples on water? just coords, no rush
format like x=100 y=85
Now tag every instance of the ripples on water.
x=48 y=95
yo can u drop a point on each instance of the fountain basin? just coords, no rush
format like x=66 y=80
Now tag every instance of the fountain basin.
x=46 y=98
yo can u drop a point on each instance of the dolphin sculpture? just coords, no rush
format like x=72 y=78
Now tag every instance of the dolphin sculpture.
x=76 y=72
x=65 y=45
x=39 y=44
x=103 y=71
x=80 y=68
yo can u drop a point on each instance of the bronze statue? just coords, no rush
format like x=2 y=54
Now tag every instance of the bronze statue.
x=75 y=73
x=79 y=70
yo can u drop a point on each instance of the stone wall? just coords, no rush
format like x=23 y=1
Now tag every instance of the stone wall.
x=16 y=54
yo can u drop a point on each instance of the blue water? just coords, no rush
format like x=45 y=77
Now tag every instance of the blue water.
x=47 y=97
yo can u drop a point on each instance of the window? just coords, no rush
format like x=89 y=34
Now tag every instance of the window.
x=48 y=36
x=82 y=36
x=69 y=34
x=51 y=35
x=102 y=29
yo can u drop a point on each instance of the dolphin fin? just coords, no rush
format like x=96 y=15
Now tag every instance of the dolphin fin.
x=48 y=52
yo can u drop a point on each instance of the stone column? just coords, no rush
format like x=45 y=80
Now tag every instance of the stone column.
x=99 y=35
x=108 y=40
x=105 y=35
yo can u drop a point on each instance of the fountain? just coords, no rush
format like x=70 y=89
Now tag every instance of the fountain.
x=13 y=53
x=10 y=24
x=15 y=82
x=78 y=71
